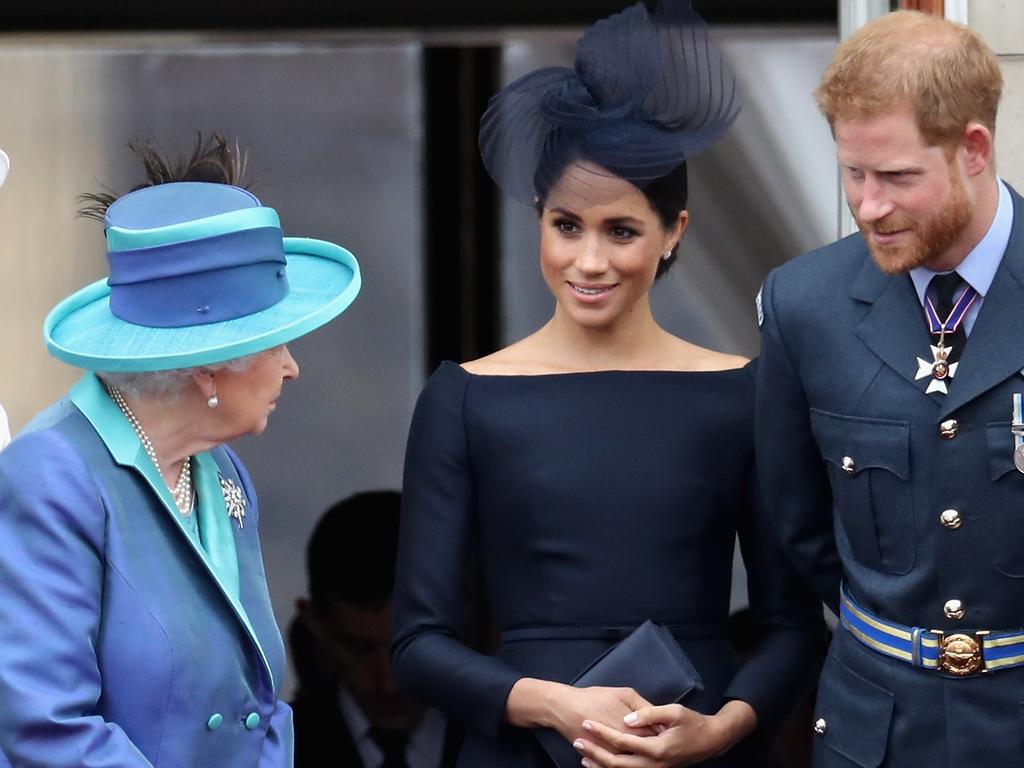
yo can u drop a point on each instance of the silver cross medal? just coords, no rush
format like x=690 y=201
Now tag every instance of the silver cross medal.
x=938 y=369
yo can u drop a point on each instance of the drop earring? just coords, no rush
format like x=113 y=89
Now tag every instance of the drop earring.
x=213 y=400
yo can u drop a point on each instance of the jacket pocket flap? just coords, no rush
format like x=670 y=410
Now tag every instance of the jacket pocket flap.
x=857 y=714
x=1000 y=448
x=870 y=443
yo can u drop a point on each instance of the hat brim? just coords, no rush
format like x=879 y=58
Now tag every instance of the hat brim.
x=323 y=280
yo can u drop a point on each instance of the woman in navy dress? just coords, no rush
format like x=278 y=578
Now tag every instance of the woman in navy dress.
x=602 y=466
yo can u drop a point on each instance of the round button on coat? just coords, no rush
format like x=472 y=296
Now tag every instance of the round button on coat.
x=948 y=429
x=951 y=519
x=820 y=726
x=215 y=721
x=954 y=609
x=849 y=465
x=252 y=721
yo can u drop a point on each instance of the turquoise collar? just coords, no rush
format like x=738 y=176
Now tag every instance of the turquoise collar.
x=217 y=543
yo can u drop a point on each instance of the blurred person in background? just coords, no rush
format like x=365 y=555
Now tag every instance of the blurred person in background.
x=349 y=710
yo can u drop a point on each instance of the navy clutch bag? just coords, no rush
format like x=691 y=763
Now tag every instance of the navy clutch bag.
x=649 y=661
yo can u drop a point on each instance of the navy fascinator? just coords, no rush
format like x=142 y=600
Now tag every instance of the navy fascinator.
x=644 y=93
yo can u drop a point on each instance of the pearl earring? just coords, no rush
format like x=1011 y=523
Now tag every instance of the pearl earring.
x=214 y=401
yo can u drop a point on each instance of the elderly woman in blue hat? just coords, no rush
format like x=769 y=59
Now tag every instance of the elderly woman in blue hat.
x=135 y=624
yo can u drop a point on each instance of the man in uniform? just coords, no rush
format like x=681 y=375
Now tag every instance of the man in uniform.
x=890 y=373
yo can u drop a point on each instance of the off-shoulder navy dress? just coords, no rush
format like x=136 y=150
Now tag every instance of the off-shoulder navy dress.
x=597 y=501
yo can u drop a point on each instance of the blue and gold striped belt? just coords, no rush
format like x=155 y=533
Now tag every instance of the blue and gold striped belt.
x=962 y=654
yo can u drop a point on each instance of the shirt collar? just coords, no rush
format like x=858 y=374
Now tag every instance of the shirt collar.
x=979 y=267
x=5 y=429
x=426 y=740
x=357 y=723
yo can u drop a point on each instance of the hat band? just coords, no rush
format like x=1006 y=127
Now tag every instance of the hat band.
x=199 y=282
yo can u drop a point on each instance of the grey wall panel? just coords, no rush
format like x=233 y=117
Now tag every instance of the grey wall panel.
x=335 y=146
x=53 y=123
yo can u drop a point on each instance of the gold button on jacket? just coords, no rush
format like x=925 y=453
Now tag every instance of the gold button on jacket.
x=953 y=609
x=950 y=518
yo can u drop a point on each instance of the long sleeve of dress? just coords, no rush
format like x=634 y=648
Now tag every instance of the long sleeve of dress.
x=437 y=530
x=51 y=589
x=787 y=617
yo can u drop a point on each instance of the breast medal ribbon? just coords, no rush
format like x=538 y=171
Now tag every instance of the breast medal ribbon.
x=939 y=368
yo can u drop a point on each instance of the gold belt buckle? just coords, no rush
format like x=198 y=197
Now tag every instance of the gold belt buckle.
x=961 y=654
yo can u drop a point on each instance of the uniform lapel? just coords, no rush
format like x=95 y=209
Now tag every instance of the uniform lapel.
x=894 y=327
x=995 y=348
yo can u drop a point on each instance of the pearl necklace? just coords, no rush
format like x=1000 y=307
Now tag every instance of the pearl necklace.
x=182 y=492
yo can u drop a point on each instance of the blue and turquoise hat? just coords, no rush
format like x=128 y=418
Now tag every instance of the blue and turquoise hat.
x=199 y=274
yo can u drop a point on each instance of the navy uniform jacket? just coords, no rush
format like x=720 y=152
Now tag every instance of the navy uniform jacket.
x=836 y=380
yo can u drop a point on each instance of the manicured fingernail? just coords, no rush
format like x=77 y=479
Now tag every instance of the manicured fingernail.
x=578 y=744
x=587 y=725
x=630 y=718
x=585 y=764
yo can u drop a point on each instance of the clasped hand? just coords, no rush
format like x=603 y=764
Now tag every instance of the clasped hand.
x=664 y=737
x=618 y=728
x=534 y=703
x=607 y=707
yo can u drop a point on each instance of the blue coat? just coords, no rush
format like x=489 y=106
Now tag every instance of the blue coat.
x=124 y=640
x=837 y=379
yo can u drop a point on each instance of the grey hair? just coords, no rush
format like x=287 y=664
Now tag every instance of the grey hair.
x=169 y=385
